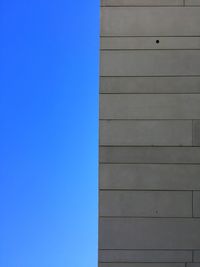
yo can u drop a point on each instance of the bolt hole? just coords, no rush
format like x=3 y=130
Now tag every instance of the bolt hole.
x=157 y=41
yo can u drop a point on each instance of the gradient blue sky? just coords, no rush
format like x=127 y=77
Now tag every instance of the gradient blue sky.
x=48 y=133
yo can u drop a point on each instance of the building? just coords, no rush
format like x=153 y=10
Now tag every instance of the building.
x=149 y=155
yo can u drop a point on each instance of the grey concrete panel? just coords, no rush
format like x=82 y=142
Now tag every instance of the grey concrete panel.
x=196 y=132
x=192 y=2
x=187 y=155
x=196 y=203
x=145 y=256
x=141 y=2
x=150 y=62
x=149 y=176
x=146 y=233
x=150 y=85
x=160 y=133
x=141 y=43
x=142 y=265
x=149 y=21
x=193 y=265
x=168 y=106
x=196 y=255
x=146 y=203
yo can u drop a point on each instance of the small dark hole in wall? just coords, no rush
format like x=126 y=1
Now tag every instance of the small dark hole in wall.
x=157 y=41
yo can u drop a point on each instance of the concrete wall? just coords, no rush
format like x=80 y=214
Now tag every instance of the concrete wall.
x=149 y=154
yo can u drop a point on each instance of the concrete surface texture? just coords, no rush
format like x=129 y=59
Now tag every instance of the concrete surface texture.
x=149 y=134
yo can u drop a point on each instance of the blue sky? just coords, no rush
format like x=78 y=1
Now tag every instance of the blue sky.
x=48 y=133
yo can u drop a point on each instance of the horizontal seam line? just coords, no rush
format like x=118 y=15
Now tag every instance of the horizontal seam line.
x=151 y=93
x=147 y=262
x=152 y=36
x=148 y=217
x=143 y=146
x=148 y=162
x=122 y=119
x=147 y=249
x=150 y=49
x=151 y=6
x=144 y=36
x=147 y=190
x=180 y=5
x=146 y=120
x=157 y=76
x=147 y=93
